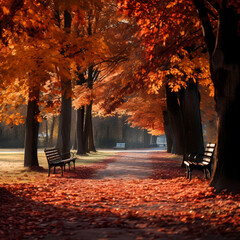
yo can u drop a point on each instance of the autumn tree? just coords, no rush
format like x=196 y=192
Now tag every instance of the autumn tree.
x=152 y=77
x=100 y=22
x=32 y=68
x=223 y=48
x=24 y=68
x=220 y=22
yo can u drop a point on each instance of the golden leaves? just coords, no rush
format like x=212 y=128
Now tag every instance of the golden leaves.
x=5 y=10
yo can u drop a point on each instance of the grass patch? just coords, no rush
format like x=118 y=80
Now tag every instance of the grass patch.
x=12 y=169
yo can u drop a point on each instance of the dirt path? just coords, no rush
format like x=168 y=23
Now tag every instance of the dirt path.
x=141 y=195
x=127 y=165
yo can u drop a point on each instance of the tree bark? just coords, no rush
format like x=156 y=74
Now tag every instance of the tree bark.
x=225 y=73
x=176 y=121
x=168 y=132
x=59 y=136
x=190 y=106
x=32 y=126
x=80 y=125
x=66 y=115
x=225 y=66
x=91 y=137
x=87 y=129
x=80 y=121
x=52 y=130
x=66 y=108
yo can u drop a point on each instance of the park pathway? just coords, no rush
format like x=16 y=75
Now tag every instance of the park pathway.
x=135 y=164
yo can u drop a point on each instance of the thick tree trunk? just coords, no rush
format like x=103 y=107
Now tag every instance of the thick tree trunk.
x=176 y=121
x=32 y=126
x=226 y=170
x=80 y=121
x=88 y=128
x=190 y=106
x=224 y=54
x=59 y=136
x=80 y=125
x=66 y=108
x=168 y=132
x=225 y=66
x=66 y=115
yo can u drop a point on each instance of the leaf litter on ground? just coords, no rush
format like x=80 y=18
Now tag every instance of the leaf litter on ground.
x=165 y=205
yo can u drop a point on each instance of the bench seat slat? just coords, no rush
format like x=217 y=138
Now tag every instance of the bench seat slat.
x=55 y=159
x=200 y=161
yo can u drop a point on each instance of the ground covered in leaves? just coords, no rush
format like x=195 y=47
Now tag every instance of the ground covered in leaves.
x=78 y=206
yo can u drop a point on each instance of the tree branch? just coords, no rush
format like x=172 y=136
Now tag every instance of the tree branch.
x=208 y=34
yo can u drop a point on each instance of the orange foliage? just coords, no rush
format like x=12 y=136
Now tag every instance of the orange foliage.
x=135 y=55
x=36 y=54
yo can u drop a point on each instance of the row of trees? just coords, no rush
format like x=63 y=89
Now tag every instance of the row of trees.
x=48 y=48
x=163 y=38
x=145 y=59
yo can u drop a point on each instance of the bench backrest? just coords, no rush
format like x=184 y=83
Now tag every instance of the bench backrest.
x=120 y=145
x=52 y=155
x=209 y=153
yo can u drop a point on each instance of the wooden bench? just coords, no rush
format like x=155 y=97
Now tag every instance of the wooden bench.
x=120 y=146
x=55 y=158
x=201 y=162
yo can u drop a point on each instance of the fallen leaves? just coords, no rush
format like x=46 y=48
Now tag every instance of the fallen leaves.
x=165 y=204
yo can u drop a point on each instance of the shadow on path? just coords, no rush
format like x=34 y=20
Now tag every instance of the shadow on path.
x=127 y=165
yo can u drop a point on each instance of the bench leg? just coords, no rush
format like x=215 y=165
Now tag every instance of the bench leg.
x=74 y=164
x=62 y=170
x=190 y=175
x=54 y=170
x=206 y=173
x=49 y=171
x=187 y=172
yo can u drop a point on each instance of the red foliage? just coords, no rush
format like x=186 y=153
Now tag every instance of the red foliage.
x=164 y=205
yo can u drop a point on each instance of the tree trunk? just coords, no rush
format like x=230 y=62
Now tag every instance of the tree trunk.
x=66 y=115
x=176 y=121
x=32 y=126
x=52 y=130
x=80 y=125
x=66 y=108
x=190 y=106
x=224 y=54
x=225 y=66
x=91 y=136
x=168 y=132
x=47 y=137
x=59 y=136
x=87 y=127
x=146 y=139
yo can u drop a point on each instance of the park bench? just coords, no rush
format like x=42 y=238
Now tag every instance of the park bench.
x=55 y=158
x=120 y=146
x=201 y=162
